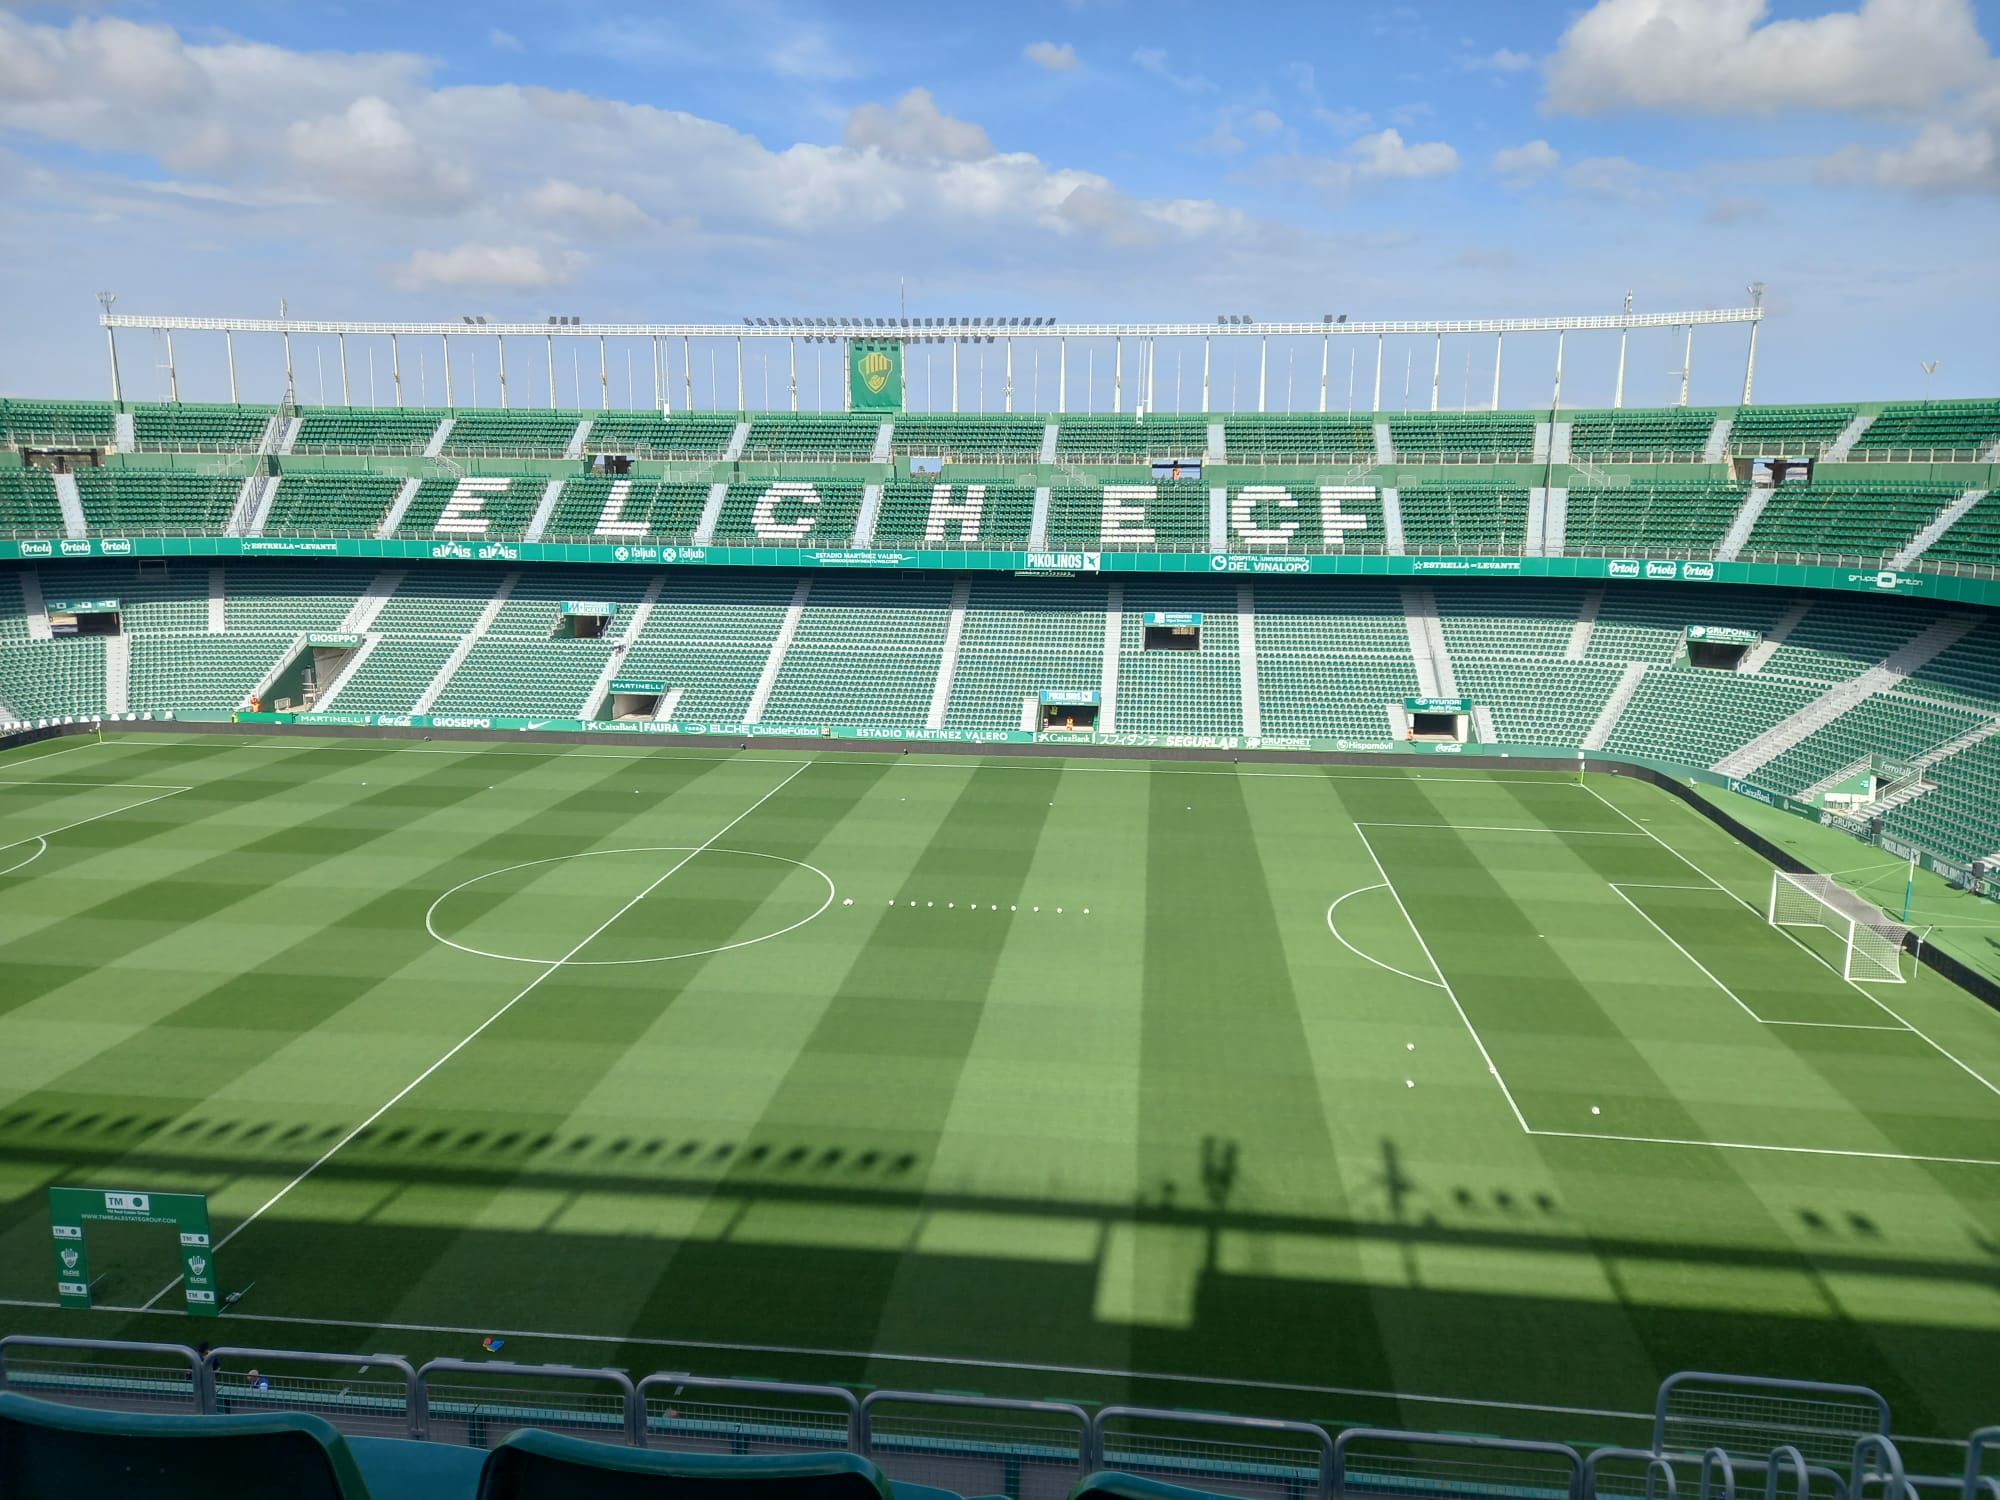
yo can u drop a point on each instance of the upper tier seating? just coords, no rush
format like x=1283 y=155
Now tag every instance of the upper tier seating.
x=1974 y=537
x=377 y=429
x=1006 y=439
x=1442 y=516
x=1674 y=518
x=28 y=505
x=1856 y=518
x=791 y=513
x=173 y=425
x=478 y=512
x=918 y=513
x=1498 y=437
x=1681 y=432
x=1122 y=439
x=322 y=501
x=806 y=435
x=1787 y=429
x=156 y=500
x=1304 y=518
x=647 y=510
x=1289 y=439
x=542 y=434
x=57 y=424
x=1173 y=518
x=649 y=434
x=1962 y=428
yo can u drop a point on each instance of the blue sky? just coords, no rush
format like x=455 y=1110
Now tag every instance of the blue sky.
x=1117 y=159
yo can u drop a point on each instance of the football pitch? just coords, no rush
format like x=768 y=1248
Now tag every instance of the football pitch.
x=1356 y=1093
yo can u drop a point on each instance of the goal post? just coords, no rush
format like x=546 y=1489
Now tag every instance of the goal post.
x=1871 y=942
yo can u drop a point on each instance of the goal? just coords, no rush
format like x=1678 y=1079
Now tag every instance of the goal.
x=1871 y=944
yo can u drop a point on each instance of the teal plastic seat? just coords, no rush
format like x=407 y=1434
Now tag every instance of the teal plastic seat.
x=536 y=1465
x=51 y=1452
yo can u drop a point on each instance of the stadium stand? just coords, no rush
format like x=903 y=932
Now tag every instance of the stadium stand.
x=811 y=437
x=28 y=505
x=1781 y=430
x=200 y=428
x=1114 y=439
x=915 y=513
x=319 y=502
x=1472 y=516
x=1975 y=538
x=650 y=434
x=791 y=513
x=709 y=637
x=1006 y=439
x=646 y=509
x=1284 y=439
x=57 y=424
x=1161 y=516
x=1497 y=437
x=340 y=429
x=1331 y=657
x=1671 y=432
x=866 y=652
x=1647 y=518
x=526 y=433
x=1864 y=519
x=1928 y=429
x=477 y=508
x=1180 y=692
x=156 y=500
x=1023 y=638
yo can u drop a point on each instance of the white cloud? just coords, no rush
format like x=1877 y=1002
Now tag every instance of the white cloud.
x=1613 y=177
x=514 y=268
x=916 y=130
x=1056 y=57
x=1154 y=60
x=1941 y=159
x=368 y=152
x=1724 y=57
x=506 y=41
x=1342 y=121
x=1505 y=60
x=1387 y=154
x=588 y=208
x=1264 y=121
x=1526 y=162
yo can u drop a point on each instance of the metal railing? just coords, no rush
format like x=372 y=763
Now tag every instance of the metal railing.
x=1027 y=1450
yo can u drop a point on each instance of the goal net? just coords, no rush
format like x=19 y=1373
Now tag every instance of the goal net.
x=1871 y=943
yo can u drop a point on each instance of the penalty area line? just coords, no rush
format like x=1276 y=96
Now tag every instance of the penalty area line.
x=465 y=1041
x=1335 y=930
x=1668 y=1140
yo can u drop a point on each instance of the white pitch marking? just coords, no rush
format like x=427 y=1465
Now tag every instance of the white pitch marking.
x=1891 y=1012
x=42 y=847
x=1443 y=983
x=1603 y=833
x=1667 y=1140
x=1338 y=934
x=459 y=1046
x=1683 y=952
x=142 y=786
x=112 y=813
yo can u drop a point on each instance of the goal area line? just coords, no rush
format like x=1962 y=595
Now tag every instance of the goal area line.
x=1443 y=981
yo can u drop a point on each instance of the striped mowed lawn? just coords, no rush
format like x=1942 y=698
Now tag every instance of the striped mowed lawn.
x=1352 y=1083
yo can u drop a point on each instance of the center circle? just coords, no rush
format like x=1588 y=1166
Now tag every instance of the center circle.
x=514 y=894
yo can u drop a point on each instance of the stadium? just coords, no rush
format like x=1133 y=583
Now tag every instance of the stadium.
x=1287 y=952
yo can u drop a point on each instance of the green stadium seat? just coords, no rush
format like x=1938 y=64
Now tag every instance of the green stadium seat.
x=1304 y=518
x=1115 y=439
x=1180 y=692
x=647 y=510
x=145 y=500
x=916 y=513
x=1021 y=638
x=1448 y=516
x=375 y=429
x=50 y=1452
x=982 y=439
x=28 y=504
x=790 y=513
x=1930 y=429
x=476 y=508
x=57 y=424
x=1284 y=438
x=1664 y=432
x=804 y=435
x=1108 y=1484
x=320 y=502
x=1973 y=538
x=1863 y=519
x=172 y=426
x=1497 y=437
x=1648 y=518
x=524 y=433
x=866 y=652
x=1781 y=430
x=536 y=1465
x=1332 y=654
x=650 y=434
x=1163 y=515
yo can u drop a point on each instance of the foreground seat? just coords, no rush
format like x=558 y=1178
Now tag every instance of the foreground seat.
x=51 y=1452
x=537 y=1465
x=1109 y=1484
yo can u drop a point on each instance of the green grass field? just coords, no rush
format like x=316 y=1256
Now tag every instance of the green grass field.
x=1284 y=1089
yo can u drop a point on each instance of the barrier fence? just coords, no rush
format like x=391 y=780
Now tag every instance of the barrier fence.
x=1715 y=1436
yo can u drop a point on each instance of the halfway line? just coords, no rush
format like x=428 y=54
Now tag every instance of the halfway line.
x=465 y=1041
